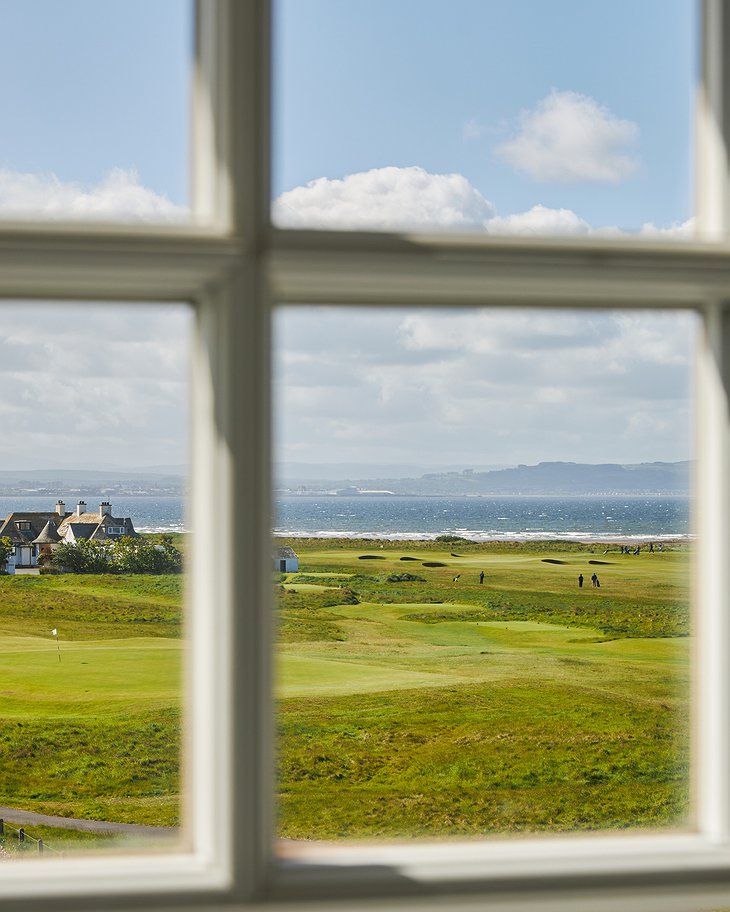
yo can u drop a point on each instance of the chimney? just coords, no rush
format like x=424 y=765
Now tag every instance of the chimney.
x=80 y=508
x=105 y=508
x=61 y=508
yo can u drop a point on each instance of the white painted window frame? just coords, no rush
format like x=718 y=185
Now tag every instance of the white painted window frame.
x=231 y=265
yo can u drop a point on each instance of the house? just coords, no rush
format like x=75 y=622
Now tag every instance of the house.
x=33 y=534
x=101 y=526
x=285 y=560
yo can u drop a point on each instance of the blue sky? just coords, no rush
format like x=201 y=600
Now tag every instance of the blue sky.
x=519 y=116
x=95 y=122
x=88 y=86
x=368 y=84
x=523 y=116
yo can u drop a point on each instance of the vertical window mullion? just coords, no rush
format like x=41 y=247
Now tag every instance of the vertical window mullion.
x=712 y=567
x=231 y=119
x=712 y=181
x=711 y=703
x=232 y=194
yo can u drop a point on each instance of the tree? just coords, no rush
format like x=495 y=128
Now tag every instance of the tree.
x=6 y=549
x=140 y=555
x=123 y=555
x=82 y=557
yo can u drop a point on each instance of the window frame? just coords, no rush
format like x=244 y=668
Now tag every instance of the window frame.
x=232 y=265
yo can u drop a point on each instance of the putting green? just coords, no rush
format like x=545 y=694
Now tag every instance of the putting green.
x=93 y=676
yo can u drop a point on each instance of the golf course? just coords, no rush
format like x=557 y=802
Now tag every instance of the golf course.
x=415 y=700
x=412 y=699
x=90 y=719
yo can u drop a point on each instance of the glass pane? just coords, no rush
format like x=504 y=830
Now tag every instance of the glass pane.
x=487 y=116
x=93 y=469
x=481 y=560
x=95 y=109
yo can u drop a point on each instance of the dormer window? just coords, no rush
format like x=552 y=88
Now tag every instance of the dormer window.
x=23 y=525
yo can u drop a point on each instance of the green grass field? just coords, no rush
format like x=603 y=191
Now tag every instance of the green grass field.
x=426 y=706
x=435 y=707
x=96 y=735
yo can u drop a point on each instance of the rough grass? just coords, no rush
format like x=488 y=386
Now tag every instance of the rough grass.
x=520 y=705
x=90 y=606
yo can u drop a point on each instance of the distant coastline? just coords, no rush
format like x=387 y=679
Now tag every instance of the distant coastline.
x=545 y=478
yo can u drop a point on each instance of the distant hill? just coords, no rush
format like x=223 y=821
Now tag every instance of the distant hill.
x=572 y=478
x=543 y=478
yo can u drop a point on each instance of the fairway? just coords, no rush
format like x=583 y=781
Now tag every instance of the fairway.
x=415 y=700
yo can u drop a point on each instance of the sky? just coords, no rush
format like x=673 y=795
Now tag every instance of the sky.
x=580 y=107
x=482 y=387
x=524 y=117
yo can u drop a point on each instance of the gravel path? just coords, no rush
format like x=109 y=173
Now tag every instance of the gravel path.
x=28 y=818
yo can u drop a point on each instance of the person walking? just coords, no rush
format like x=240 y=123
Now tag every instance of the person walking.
x=580 y=580
x=481 y=577
x=594 y=580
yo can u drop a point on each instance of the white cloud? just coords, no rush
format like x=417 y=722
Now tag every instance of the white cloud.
x=86 y=383
x=119 y=195
x=481 y=386
x=680 y=230
x=539 y=220
x=385 y=199
x=412 y=198
x=569 y=138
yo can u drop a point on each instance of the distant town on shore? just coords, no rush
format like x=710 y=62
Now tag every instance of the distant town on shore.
x=157 y=480
x=353 y=479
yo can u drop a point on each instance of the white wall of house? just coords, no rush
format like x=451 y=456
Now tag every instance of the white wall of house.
x=286 y=564
x=24 y=555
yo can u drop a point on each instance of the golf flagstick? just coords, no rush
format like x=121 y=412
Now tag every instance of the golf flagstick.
x=58 y=645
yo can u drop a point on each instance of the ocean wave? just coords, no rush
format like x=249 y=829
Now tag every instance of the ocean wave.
x=488 y=535
x=169 y=527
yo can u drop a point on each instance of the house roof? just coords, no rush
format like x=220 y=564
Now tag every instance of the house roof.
x=49 y=535
x=9 y=527
x=84 y=530
x=284 y=551
x=97 y=521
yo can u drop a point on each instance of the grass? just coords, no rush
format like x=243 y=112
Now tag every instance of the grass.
x=96 y=735
x=406 y=707
x=442 y=708
x=91 y=606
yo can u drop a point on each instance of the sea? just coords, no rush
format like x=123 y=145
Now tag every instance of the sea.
x=514 y=518
x=403 y=518
x=149 y=513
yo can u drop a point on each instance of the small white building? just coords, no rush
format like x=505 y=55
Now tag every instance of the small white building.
x=285 y=560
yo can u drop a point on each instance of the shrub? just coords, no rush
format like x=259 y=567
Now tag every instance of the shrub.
x=124 y=555
x=404 y=578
